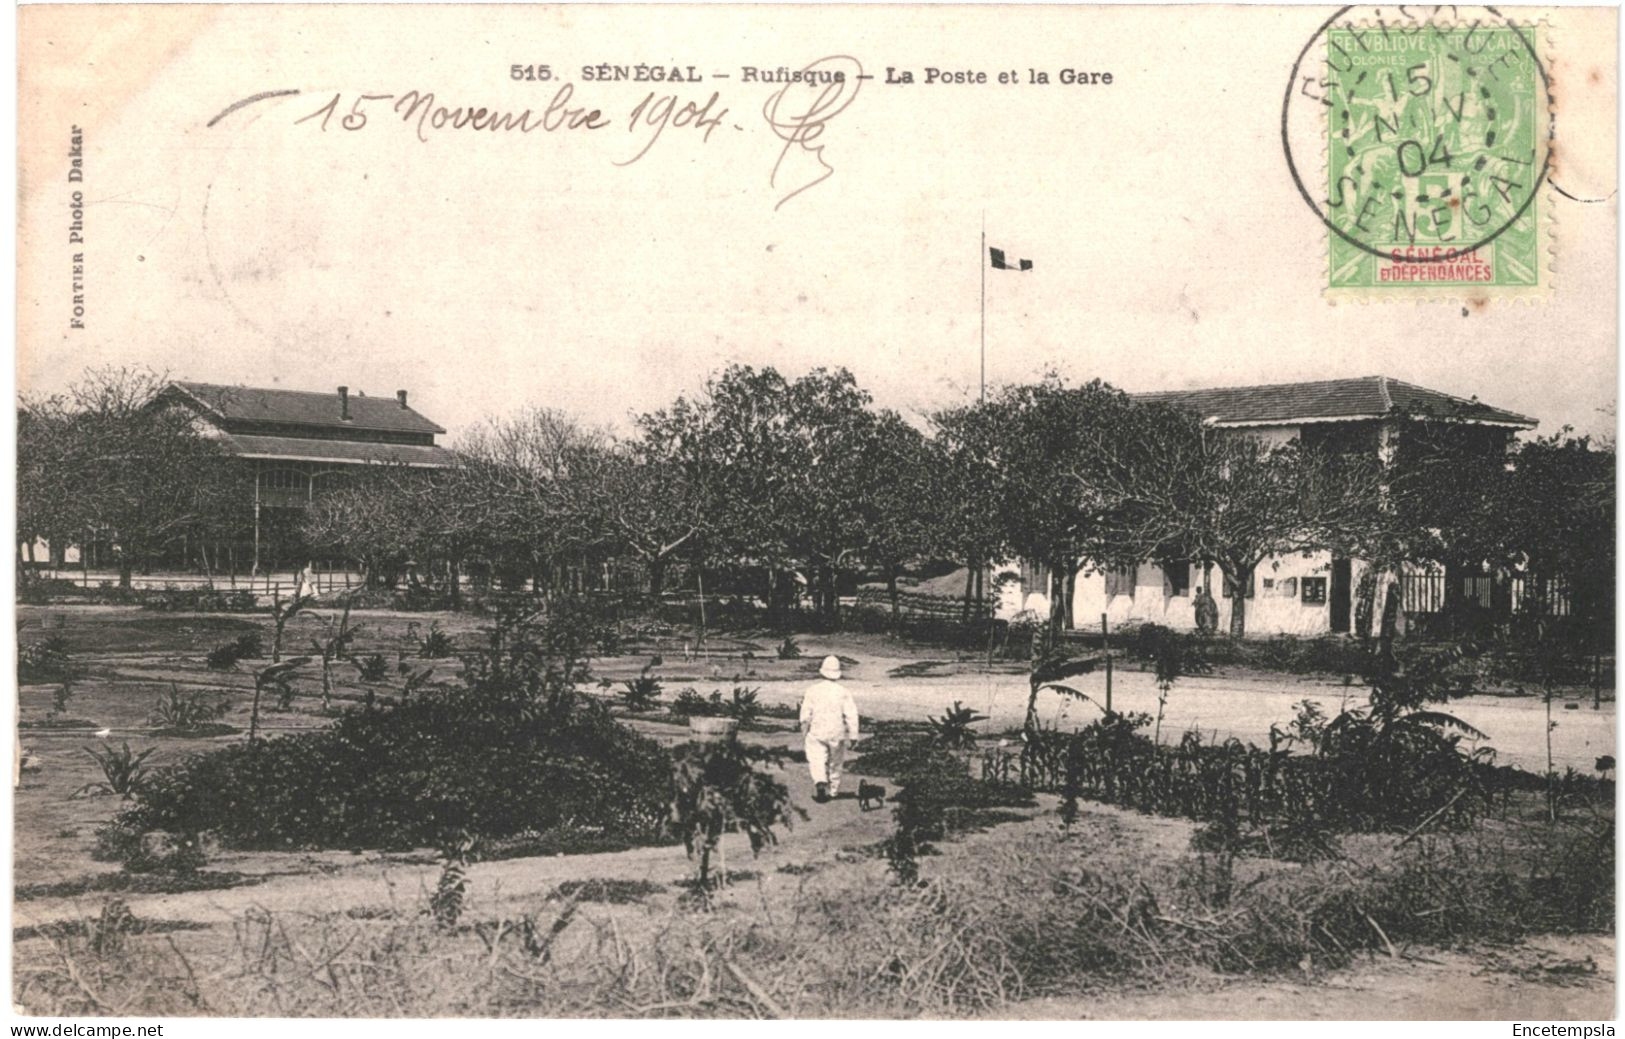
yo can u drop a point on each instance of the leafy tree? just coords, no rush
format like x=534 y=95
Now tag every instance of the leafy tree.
x=785 y=469
x=1053 y=465
x=902 y=501
x=1237 y=500
x=1558 y=518
x=732 y=445
x=1465 y=497
x=43 y=509
x=1447 y=484
x=968 y=525
x=835 y=449
x=375 y=521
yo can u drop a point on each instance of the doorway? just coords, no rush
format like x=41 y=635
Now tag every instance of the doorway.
x=1341 y=595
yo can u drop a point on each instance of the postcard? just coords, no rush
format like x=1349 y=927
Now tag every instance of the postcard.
x=872 y=511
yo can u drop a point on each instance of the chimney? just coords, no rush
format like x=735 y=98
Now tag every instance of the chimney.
x=400 y=395
x=344 y=403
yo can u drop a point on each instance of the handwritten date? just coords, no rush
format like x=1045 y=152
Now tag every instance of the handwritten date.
x=798 y=114
x=420 y=110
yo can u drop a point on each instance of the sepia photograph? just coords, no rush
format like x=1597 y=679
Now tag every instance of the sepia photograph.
x=880 y=512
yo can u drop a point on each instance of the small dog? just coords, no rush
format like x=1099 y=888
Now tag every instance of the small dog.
x=870 y=795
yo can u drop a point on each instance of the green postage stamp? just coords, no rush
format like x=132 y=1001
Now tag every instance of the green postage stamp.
x=1437 y=145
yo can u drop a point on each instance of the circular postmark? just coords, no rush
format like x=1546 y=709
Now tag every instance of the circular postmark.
x=1421 y=138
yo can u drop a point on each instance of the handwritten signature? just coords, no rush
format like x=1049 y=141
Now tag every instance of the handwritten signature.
x=798 y=114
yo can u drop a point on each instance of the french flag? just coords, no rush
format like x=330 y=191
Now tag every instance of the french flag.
x=1000 y=263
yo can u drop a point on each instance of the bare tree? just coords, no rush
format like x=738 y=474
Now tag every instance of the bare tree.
x=520 y=493
x=126 y=466
x=647 y=501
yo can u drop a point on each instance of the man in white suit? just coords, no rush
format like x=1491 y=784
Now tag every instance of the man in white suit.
x=829 y=720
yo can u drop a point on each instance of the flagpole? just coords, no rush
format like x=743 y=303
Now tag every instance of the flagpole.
x=981 y=261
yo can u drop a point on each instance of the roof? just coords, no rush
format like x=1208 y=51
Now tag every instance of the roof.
x=304 y=408
x=1331 y=400
x=346 y=452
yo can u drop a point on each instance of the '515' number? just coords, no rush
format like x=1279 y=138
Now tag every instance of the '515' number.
x=531 y=72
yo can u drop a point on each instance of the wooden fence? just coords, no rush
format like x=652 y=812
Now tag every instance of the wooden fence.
x=944 y=607
x=1425 y=592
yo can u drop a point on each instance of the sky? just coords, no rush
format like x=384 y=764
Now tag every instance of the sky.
x=486 y=272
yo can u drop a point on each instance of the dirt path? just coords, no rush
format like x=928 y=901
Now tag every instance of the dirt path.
x=1552 y=978
x=341 y=881
x=1241 y=705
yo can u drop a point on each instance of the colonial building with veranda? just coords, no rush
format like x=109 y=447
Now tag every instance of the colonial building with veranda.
x=1298 y=594
x=299 y=445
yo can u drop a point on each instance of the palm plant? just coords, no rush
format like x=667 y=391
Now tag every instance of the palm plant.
x=187 y=713
x=335 y=647
x=744 y=706
x=277 y=676
x=953 y=730
x=641 y=693
x=1400 y=752
x=123 y=770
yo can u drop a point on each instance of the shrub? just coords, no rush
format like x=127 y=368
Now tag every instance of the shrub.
x=516 y=751
x=40 y=591
x=933 y=786
x=1323 y=654
x=44 y=661
x=131 y=847
x=436 y=644
x=198 y=600
x=641 y=693
x=247 y=645
x=422 y=597
x=414 y=774
x=1364 y=776
x=609 y=642
x=690 y=704
x=714 y=787
x=62 y=698
x=372 y=668
x=789 y=649
x=251 y=644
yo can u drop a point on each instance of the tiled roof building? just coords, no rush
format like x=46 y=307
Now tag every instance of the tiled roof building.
x=1334 y=400
x=301 y=444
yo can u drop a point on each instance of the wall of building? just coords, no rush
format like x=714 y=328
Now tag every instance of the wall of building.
x=1277 y=606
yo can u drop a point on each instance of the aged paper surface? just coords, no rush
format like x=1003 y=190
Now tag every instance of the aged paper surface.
x=257 y=246
x=597 y=209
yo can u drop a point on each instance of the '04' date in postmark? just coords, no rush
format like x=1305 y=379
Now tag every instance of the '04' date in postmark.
x=1435 y=136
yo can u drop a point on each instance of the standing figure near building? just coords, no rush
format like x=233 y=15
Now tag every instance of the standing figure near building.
x=829 y=720
x=304 y=583
x=1207 y=611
